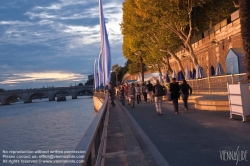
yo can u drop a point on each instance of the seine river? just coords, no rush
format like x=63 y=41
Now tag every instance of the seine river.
x=44 y=125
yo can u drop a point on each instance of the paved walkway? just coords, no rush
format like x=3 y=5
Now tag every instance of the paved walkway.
x=191 y=138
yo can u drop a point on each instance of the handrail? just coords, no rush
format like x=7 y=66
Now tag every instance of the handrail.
x=92 y=139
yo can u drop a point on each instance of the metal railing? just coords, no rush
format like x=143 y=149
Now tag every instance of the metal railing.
x=216 y=84
x=93 y=142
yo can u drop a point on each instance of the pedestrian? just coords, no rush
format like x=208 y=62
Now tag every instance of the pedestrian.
x=131 y=93
x=158 y=93
x=111 y=92
x=150 y=90
x=121 y=92
x=184 y=89
x=144 y=91
x=126 y=91
x=175 y=94
x=138 y=93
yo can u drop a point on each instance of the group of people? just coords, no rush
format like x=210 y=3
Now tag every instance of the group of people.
x=154 y=92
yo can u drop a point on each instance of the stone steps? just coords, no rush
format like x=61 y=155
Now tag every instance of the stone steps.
x=212 y=103
x=207 y=102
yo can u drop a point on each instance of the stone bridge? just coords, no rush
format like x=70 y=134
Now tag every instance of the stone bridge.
x=51 y=93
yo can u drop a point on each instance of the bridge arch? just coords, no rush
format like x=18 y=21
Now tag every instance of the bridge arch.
x=65 y=92
x=84 y=92
x=11 y=99
x=32 y=95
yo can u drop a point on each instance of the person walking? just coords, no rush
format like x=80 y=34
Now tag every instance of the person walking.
x=175 y=94
x=138 y=93
x=150 y=90
x=111 y=92
x=144 y=91
x=184 y=89
x=131 y=94
x=158 y=93
x=126 y=91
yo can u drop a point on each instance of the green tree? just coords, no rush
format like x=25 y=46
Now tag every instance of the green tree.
x=244 y=7
x=134 y=48
x=116 y=69
x=90 y=82
x=178 y=17
x=134 y=68
x=80 y=84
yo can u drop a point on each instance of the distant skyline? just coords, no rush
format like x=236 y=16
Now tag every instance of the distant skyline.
x=54 y=42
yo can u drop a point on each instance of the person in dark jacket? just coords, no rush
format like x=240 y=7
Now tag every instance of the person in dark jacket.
x=158 y=93
x=144 y=91
x=131 y=93
x=175 y=94
x=111 y=93
x=150 y=90
x=185 y=88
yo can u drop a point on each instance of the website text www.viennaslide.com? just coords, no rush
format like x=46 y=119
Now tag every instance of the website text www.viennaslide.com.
x=42 y=157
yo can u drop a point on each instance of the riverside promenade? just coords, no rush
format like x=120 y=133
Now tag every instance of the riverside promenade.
x=139 y=137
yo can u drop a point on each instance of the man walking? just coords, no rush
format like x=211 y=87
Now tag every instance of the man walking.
x=150 y=90
x=185 y=88
x=158 y=93
x=144 y=91
x=111 y=93
x=175 y=94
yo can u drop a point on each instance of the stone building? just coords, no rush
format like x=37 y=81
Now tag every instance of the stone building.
x=210 y=47
x=214 y=45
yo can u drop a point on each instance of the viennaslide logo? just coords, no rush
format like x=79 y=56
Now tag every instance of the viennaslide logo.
x=234 y=155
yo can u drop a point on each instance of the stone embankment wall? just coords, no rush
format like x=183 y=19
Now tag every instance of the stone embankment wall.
x=98 y=101
x=212 y=47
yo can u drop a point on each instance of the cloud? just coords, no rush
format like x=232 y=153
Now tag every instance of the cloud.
x=42 y=77
x=57 y=35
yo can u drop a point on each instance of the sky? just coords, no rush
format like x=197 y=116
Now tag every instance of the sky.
x=47 y=43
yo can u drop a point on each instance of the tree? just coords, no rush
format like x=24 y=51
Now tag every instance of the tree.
x=132 y=25
x=178 y=16
x=244 y=7
x=154 y=30
x=134 y=67
x=80 y=84
x=116 y=68
x=90 y=82
x=2 y=90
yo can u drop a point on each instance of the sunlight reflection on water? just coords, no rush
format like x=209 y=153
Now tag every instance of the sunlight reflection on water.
x=44 y=125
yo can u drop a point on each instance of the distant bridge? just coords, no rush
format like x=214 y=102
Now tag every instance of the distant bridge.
x=51 y=93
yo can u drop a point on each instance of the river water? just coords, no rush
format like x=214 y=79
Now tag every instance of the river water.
x=44 y=125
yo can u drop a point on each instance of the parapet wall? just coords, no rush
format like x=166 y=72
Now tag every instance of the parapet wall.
x=214 y=47
x=210 y=47
x=98 y=100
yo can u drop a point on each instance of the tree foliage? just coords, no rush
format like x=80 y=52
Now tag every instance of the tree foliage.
x=90 y=82
x=244 y=6
x=80 y=84
x=158 y=28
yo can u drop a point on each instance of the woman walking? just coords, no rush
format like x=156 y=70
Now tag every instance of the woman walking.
x=185 y=88
x=158 y=93
x=144 y=91
x=175 y=94
x=138 y=93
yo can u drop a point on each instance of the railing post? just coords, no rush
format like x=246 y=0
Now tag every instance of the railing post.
x=197 y=87
x=209 y=86
x=232 y=78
